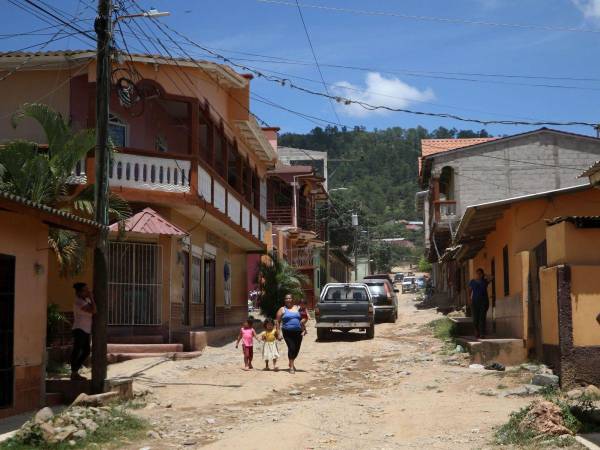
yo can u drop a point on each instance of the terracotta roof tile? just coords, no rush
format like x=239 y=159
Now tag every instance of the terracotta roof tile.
x=433 y=146
x=149 y=221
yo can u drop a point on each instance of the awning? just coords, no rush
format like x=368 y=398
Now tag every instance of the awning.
x=149 y=221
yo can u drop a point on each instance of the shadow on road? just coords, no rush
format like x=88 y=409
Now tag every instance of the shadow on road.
x=340 y=336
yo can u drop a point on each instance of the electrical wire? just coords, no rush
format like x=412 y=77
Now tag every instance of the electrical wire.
x=312 y=50
x=370 y=107
x=523 y=26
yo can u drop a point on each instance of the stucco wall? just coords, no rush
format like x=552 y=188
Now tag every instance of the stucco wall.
x=496 y=170
x=60 y=289
x=568 y=244
x=27 y=239
x=585 y=297
x=549 y=305
x=51 y=88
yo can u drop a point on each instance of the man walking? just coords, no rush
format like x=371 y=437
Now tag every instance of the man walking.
x=83 y=310
x=480 y=303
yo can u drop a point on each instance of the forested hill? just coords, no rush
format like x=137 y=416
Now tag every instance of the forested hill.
x=379 y=167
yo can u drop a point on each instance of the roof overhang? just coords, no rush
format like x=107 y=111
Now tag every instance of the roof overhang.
x=255 y=138
x=150 y=222
x=222 y=74
x=480 y=220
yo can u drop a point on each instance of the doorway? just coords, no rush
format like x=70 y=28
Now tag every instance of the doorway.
x=185 y=316
x=536 y=261
x=209 y=292
x=493 y=302
x=7 y=329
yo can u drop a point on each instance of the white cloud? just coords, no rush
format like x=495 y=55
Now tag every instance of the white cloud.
x=379 y=90
x=589 y=8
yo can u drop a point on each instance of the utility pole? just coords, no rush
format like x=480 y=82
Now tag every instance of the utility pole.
x=355 y=225
x=327 y=250
x=103 y=27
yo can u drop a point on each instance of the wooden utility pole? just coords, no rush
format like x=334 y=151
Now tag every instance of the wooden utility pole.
x=103 y=28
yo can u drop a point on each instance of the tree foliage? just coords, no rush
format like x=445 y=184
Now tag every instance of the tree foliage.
x=277 y=279
x=42 y=176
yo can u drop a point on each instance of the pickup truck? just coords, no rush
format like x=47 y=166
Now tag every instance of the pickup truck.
x=345 y=306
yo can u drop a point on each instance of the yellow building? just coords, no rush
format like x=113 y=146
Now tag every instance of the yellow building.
x=544 y=261
x=191 y=161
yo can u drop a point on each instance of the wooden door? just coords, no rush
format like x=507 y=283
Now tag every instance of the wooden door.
x=209 y=292
x=536 y=261
x=7 y=331
x=186 y=289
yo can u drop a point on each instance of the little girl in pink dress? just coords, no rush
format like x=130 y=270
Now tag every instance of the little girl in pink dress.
x=247 y=336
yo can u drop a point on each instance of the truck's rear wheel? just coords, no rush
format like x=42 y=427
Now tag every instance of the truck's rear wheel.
x=322 y=334
x=371 y=332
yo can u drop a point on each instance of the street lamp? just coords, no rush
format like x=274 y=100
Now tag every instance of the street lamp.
x=151 y=13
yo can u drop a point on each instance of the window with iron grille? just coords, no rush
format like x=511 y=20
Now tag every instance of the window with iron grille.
x=134 y=283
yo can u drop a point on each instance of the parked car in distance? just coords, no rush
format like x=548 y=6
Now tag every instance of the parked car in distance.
x=398 y=277
x=379 y=276
x=409 y=284
x=345 y=306
x=384 y=299
x=421 y=283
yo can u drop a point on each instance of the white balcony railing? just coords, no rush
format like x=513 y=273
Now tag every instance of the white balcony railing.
x=78 y=174
x=152 y=173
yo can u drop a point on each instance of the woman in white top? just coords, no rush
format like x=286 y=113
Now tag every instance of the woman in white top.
x=83 y=310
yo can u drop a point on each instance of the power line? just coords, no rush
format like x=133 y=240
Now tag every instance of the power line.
x=56 y=17
x=370 y=107
x=523 y=26
x=312 y=50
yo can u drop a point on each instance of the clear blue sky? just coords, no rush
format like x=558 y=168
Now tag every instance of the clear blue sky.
x=390 y=47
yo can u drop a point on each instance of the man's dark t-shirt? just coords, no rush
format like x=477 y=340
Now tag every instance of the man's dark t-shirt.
x=479 y=288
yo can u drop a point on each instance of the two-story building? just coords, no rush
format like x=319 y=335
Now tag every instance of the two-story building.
x=298 y=235
x=457 y=173
x=192 y=162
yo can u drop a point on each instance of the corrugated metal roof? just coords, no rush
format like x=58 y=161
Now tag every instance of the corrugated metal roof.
x=149 y=221
x=48 y=209
x=591 y=170
x=578 y=221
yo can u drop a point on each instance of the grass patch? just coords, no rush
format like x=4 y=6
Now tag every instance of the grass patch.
x=511 y=434
x=121 y=427
x=445 y=330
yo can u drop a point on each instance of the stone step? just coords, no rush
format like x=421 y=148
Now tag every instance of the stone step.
x=133 y=339
x=144 y=348
x=463 y=326
x=506 y=351
x=177 y=356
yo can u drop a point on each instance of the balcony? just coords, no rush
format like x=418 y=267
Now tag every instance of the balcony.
x=180 y=174
x=281 y=215
x=445 y=211
x=300 y=257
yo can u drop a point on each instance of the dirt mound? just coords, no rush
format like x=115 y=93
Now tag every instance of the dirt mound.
x=544 y=417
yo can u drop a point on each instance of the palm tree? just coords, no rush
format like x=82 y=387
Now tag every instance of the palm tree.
x=43 y=177
x=277 y=279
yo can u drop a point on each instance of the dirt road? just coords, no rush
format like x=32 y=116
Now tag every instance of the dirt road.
x=396 y=391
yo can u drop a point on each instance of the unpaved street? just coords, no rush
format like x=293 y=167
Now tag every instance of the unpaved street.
x=396 y=391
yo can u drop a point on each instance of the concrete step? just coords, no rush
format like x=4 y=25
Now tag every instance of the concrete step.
x=132 y=339
x=176 y=356
x=463 y=325
x=510 y=352
x=54 y=399
x=144 y=348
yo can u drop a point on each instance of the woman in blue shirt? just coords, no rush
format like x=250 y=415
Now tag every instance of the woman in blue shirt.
x=478 y=294
x=290 y=324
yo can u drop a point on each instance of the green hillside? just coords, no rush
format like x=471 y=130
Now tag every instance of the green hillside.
x=379 y=171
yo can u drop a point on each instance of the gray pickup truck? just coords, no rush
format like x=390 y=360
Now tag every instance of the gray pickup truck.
x=345 y=306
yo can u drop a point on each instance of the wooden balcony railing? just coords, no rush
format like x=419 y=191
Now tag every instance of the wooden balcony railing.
x=445 y=210
x=300 y=257
x=280 y=215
